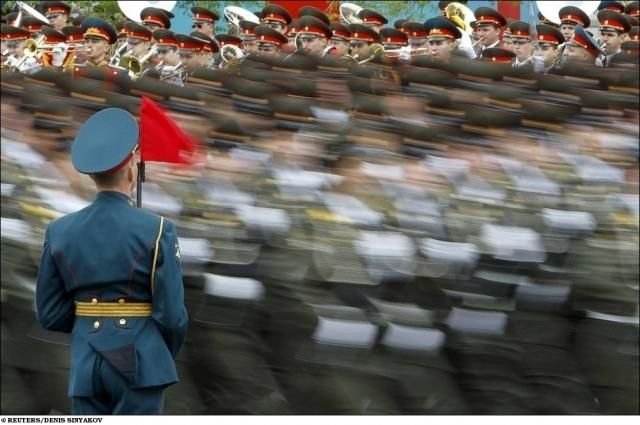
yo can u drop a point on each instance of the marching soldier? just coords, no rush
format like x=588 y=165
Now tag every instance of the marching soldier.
x=417 y=37
x=275 y=17
x=313 y=36
x=570 y=16
x=372 y=19
x=208 y=49
x=122 y=34
x=489 y=22
x=614 y=6
x=75 y=40
x=195 y=52
x=138 y=38
x=248 y=36
x=613 y=26
x=507 y=40
x=98 y=36
x=633 y=9
x=15 y=39
x=582 y=48
x=549 y=38
x=315 y=12
x=441 y=35
x=270 y=41
x=292 y=31
x=57 y=12
x=168 y=58
x=340 y=38
x=155 y=18
x=522 y=46
x=59 y=57
x=128 y=328
x=393 y=39
x=361 y=41
x=204 y=21
x=228 y=39
x=498 y=55
x=33 y=25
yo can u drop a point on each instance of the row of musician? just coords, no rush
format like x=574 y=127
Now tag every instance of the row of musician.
x=150 y=46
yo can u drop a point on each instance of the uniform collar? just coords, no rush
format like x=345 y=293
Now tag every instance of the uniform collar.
x=113 y=196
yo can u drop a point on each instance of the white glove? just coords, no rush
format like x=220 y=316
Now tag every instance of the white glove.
x=405 y=53
x=59 y=53
x=465 y=45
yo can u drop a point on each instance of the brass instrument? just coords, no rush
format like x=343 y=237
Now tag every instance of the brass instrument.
x=460 y=15
x=33 y=47
x=168 y=72
x=136 y=65
x=376 y=51
x=230 y=54
x=235 y=14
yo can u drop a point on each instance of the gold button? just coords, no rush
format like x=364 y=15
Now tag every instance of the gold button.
x=123 y=322
x=96 y=324
x=94 y=301
x=121 y=301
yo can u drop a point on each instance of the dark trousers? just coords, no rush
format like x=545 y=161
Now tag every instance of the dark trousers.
x=113 y=396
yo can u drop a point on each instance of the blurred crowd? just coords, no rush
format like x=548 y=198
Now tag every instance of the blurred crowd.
x=388 y=237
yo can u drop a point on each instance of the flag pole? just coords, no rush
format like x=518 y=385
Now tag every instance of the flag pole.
x=141 y=178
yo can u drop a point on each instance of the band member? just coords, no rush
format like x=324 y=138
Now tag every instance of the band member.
x=155 y=18
x=315 y=12
x=570 y=16
x=98 y=36
x=399 y=23
x=441 y=35
x=507 y=40
x=33 y=25
x=614 y=6
x=75 y=40
x=122 y=34
x=78 y=20
x=275 y=17
x=549 y=38
x=582 y=48
x=340 y=38
x=292 y=32
x=58 y=57
x=270 y=41
x=613 y=26
x=544 y=20
x=361 y=40
x=633 y=9
x=168 y=58
x=57 y=12
x=417 y=37
x=489 y=22
x=204 y=21
x=248 y=36
x=15 y=38
x=313 y=36
x=498 y=55
x=522 y=46
x=372 y=19
x=195 y=50
x=138 y=39
x=10 y=18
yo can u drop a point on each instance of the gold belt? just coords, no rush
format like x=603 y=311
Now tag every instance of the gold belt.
x=112 y=309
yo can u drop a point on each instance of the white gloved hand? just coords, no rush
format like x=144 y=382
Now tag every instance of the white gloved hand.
x=405 y=53
x=465 y=45
x=59 y=53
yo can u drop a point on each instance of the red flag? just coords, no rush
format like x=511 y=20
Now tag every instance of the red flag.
x=161 y=140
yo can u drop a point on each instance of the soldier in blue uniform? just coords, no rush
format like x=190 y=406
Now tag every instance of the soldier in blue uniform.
x=110 y=275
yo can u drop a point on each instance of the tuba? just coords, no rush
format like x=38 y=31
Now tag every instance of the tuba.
x=230 y=55
x=349 y=13
x=235 y=14
x=132 y=9
x=462 y=17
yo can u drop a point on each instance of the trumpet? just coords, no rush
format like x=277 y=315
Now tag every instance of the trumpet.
x=33 y=47
x=136 y=65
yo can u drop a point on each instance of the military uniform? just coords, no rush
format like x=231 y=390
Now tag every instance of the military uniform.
x=97 y=28
x=110 y=275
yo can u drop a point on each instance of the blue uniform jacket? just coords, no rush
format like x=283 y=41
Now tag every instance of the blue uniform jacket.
x=105 y=251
